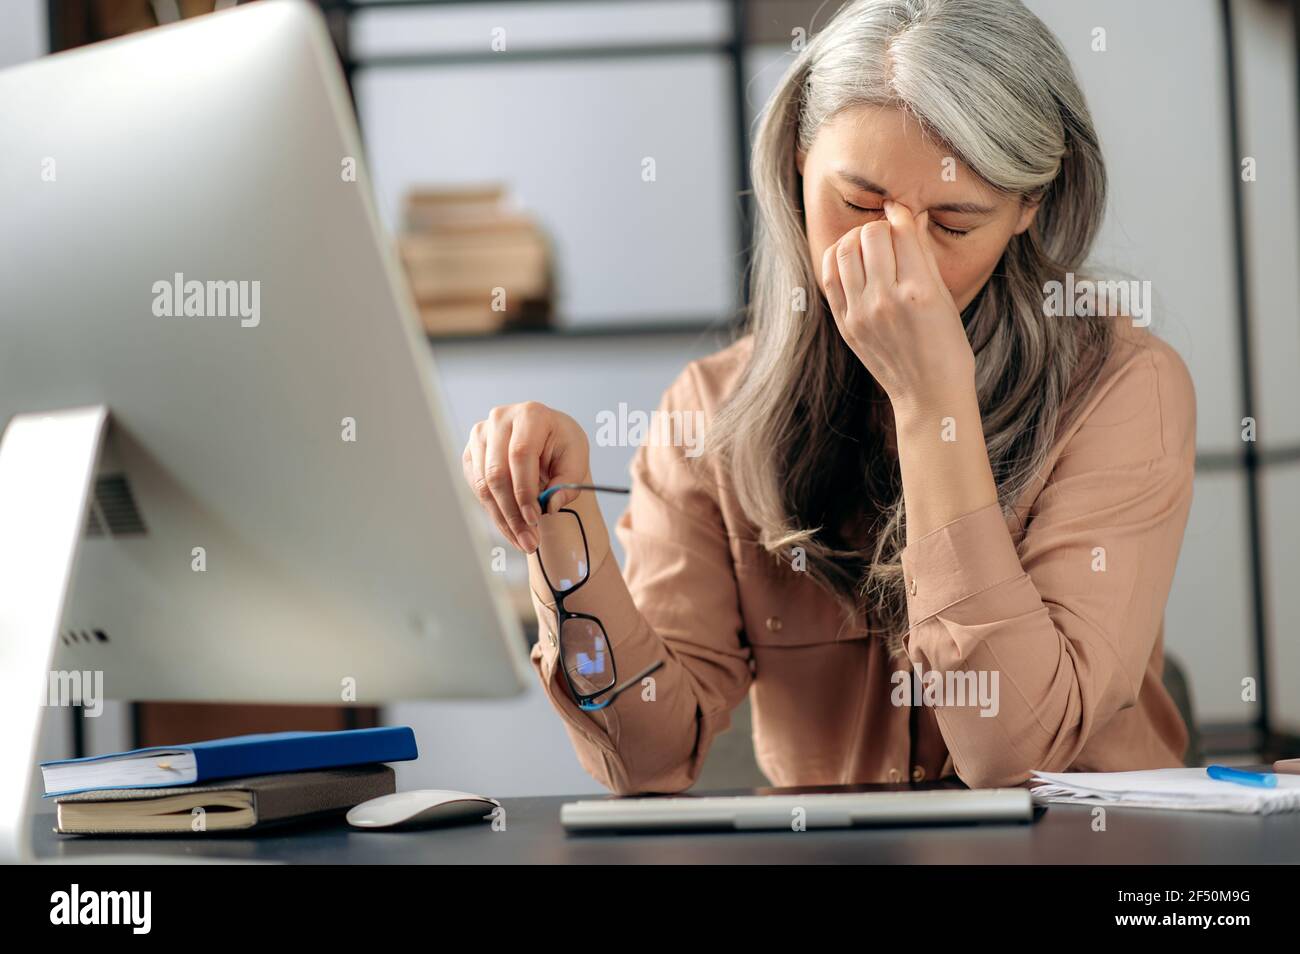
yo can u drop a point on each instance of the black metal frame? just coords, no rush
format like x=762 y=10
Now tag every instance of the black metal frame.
x=1261 y=737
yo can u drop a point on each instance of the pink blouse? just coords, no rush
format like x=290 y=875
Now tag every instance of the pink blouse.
x=1035 y=641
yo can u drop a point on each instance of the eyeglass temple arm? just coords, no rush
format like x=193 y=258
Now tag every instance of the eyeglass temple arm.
x=546 y=494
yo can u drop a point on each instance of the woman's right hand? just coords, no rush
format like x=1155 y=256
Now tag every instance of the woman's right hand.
x=519 y=451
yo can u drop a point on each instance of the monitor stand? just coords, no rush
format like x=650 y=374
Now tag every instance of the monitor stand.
x=47 y=468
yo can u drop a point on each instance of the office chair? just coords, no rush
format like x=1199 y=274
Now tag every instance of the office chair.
x=1175 y=680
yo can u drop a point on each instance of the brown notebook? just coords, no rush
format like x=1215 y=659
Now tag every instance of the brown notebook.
x=234 y=804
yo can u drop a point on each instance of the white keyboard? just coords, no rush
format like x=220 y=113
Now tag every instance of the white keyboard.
x=793 y=812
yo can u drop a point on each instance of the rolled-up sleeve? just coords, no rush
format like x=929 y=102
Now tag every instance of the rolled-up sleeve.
x=675 y=600
x=1068 y=615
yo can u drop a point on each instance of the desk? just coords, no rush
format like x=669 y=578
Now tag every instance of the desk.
x=533 y=835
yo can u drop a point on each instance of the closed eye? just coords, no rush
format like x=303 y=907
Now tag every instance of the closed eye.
x=858 y=208
x=956 y=233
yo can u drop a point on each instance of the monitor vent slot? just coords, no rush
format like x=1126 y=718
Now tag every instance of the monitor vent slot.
x=70 y=637
x=113 y=511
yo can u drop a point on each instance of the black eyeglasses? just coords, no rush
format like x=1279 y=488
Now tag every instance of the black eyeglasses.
x=585 y=654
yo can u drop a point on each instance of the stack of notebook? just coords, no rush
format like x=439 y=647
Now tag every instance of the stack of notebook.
x=238 y=783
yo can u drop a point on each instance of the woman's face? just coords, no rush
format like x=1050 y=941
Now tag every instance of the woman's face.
x=868 y=154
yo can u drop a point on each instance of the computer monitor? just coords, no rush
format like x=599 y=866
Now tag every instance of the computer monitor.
x=220 y=406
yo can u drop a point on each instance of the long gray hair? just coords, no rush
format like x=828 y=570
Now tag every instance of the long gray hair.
x=801 y=438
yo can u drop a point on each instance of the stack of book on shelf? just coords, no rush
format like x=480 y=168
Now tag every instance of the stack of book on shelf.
x=475 y=265
x=234 y=784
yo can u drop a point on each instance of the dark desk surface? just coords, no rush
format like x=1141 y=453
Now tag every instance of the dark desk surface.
x=1063 y=835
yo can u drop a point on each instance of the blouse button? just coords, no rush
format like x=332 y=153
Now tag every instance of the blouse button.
x=912 y=586
x=918 y=773
x=774 y=623
x=895 y=775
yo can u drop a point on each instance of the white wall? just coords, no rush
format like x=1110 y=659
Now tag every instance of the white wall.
x=23 y=32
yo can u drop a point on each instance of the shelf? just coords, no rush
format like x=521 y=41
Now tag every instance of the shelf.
x=639 y=329
x=541 y=55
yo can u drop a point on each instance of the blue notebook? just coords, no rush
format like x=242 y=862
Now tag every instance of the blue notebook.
x=235 y=757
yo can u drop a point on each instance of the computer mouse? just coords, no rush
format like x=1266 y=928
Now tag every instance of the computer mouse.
x=422 y=808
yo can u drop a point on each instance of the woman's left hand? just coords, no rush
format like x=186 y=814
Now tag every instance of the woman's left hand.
x=892 y=308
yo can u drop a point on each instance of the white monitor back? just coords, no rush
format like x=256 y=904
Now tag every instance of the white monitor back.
x=241 y=547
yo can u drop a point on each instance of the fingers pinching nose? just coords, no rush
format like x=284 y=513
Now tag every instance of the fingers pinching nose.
x=896 y=212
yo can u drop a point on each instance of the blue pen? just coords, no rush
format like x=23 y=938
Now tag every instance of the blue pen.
x=1242 y=777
